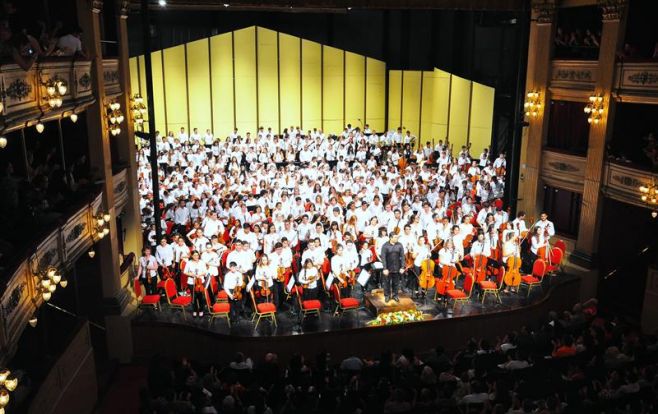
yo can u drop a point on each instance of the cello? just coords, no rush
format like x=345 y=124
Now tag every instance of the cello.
x=513 y=276
x=447 y=282
x=480 y=267
x=426 y=279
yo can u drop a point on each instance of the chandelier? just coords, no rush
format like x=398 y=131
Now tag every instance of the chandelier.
x=532 y=104
x=114 y=118
x=47 y=282
x=594 y=109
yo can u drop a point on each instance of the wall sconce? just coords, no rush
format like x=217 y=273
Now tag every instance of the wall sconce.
x=3 y=142
x=55 y=91
x=40 y=127
x=532 y=104
x=594 y=109
x=8 y=384
x=101 y=227
x=47 y=281
x=649 y=194
x=33 y=321
x=138 y=109
x=114 y=118
x=74 y=117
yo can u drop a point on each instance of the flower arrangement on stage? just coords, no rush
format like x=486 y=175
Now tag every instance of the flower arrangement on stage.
x=396 y=318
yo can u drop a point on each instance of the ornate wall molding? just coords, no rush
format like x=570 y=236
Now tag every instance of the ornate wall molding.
x=637 y=81
x=612 y=9
x=574 y=74
x=544 y=11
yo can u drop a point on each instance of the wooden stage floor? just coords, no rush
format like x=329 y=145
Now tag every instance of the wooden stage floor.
x=289 y=322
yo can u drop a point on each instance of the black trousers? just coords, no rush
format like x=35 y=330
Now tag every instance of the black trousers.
x=198 y=301
x=151 y=288
x=391 y=283
x=310 y=293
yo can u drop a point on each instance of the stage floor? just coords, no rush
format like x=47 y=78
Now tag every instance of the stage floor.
x=289 y=322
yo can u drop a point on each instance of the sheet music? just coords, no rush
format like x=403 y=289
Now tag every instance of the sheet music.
x=251 y=282
x=363 y=278
x=290 y=284
x=330 y=279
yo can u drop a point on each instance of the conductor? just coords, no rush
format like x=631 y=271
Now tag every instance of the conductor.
x=393 y=261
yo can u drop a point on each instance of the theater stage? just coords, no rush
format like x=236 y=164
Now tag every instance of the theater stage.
x=444 y=325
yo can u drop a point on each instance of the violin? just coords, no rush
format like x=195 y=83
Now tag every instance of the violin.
x=238 y=292
x=409 y=260
x=513 y=275
x=426 y=279
x=480 y=267
x=281 y=274
x=264 y=290
x=198 y=284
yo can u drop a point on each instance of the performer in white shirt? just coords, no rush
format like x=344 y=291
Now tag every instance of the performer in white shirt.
x=265 y=275
x=197 y=280
x=147 y=271
x=164 y=254
x=234 y=287
x=309 y=278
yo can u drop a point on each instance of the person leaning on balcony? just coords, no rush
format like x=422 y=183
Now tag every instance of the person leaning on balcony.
x=70 y=44
x=22 y=48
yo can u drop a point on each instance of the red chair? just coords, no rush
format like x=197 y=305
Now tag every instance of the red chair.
x=560 y=244
x=490 y=287
x=555 y=257
x=344 y=304
x=218 y=310
x=498 y=203
x=175 y=301
x=262 y=310
x=148 y=301
x=534 y=279
x=308 y=307
x=461 y=295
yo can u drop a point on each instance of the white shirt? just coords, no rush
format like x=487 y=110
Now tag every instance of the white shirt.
x=266 y=273
x=164 y=254
x=231 y=281
x=309 y=277
x=69 y=45
x=145 y=263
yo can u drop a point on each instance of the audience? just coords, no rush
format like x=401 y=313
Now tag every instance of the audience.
x=577 y=43
x=577 y=362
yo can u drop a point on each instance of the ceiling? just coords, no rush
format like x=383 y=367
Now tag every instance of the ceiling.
x=332 y=6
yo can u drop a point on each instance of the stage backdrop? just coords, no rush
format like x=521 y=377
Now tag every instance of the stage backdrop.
x=258 y=77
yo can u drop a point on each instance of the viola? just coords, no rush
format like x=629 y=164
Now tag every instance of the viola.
x=426 y=279
x=480 y=267
x=513 y=275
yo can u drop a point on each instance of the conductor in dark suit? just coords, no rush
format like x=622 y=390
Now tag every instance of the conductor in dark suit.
x=393 y=260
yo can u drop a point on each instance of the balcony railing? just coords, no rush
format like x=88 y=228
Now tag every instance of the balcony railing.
x=61 y=248
x=637 y=81
x=622 y=182
x=563 y=170
x=24 y=92
x=574 y=74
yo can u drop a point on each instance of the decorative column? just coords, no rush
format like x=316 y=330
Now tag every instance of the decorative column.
x=540 y=49
x=115 y=298
x=126 y=142
x=612 y=35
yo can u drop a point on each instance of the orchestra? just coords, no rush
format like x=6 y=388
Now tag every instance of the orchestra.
x=257 y=216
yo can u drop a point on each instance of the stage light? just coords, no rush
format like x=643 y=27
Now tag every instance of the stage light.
x=654 y=214
x=162 y=3
x=3 y=142
x=226 y=4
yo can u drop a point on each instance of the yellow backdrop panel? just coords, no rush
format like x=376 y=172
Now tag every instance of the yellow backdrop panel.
x=482 y=105
x=158 y=92
x=375 y=94
x=246 y=115
x=440 y=105
x=268 y=82
x=425 y=132
x=134 y=76
x=394 y=99
x=333 y=78
x=355 y=83
x=311 y=85
x=289 y=62
x=460 y=103
x=198 y=85
x=221 y=73
x=175 y=88
x=411 y=101
x=142 y=74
